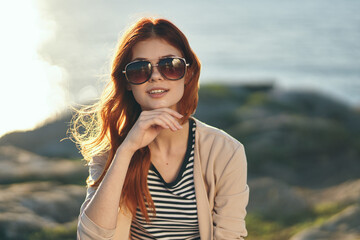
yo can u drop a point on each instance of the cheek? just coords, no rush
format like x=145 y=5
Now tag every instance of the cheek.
x=137 y=95
x=180 y=89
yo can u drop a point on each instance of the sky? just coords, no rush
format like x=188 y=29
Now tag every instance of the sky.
x=57 y=53
x=31 y=87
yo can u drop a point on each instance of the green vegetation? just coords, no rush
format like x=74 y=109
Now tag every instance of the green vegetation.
x=57 y=233
x=265 y=228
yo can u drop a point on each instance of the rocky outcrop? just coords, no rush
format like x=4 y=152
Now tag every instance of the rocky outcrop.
x=35 y=192
x=50 y=139
x=29 y=207
x=302 y=149
x=295 y=136
x=344 y=226
x=270 y=197
x=346 y=193
x=298 y=137
x=18 y=165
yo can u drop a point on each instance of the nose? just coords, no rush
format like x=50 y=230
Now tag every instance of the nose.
x=156 y=75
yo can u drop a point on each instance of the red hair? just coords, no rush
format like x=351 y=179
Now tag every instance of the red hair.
x=106 y=123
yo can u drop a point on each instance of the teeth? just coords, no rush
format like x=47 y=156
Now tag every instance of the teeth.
x=157 y=91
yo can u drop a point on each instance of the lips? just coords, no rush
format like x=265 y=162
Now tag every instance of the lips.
x=157 y=90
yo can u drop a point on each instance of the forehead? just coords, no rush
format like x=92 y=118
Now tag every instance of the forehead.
x=154 y=48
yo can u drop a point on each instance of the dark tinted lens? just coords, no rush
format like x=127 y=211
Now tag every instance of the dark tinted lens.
x=138 y=72
x=172 y=68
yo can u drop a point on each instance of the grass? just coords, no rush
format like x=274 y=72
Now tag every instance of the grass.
x=264 y=228
x=57 y=233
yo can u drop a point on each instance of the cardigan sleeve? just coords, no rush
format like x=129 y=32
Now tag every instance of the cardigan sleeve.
x=232 y=196
x=87 y=229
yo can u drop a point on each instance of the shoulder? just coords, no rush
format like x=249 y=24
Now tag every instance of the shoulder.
x=218 y=150
x=209 y=135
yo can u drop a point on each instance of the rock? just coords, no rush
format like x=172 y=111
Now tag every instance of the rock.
x=29 y=207
x=18 y=165
x=19 y=225
x=274 y=198
x=59 y=204
x=311 y=103
x=293 y=138
x=311 y=137
x=343 y=194
x=48 y=140
x=309 y=147
x=344 y=226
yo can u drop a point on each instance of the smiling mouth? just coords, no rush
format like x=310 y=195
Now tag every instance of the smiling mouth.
x=157 y=91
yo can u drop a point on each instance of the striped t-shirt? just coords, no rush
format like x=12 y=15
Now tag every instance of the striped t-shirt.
x=175 y=202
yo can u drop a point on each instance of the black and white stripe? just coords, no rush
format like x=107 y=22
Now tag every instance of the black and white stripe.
x=175 y=203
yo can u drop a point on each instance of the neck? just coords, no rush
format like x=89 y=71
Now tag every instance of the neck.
x=168 y=141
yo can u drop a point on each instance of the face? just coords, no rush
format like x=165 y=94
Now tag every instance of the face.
x=150 y=95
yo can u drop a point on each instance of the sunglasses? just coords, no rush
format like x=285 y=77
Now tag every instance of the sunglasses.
x=171 y=68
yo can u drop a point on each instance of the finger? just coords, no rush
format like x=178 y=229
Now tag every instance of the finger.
x=169 y=119
x=148 y=121
x=164 y=118
x=166 y=122
x=167 y=110
x=168 y=113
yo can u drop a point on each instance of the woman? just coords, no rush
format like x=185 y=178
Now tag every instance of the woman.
x=156 y=172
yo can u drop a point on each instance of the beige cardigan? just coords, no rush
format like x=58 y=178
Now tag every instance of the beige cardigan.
x=222 y=193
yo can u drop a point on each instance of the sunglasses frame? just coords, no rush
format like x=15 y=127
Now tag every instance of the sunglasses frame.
x=152 y=67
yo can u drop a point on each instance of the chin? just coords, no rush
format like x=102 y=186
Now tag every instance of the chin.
x=157 y=106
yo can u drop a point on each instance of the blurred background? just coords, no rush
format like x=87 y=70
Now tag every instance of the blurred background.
x=283 y=77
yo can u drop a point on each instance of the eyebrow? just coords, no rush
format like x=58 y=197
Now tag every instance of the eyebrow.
x=146 y=59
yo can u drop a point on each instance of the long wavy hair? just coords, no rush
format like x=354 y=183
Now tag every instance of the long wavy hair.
x=100 y=128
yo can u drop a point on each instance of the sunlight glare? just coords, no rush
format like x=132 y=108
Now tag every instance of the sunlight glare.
x=31 y=88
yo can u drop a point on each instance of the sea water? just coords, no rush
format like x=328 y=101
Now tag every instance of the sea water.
x=295 y=44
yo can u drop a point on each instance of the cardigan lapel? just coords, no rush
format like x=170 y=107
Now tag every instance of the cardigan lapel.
x=202 y=202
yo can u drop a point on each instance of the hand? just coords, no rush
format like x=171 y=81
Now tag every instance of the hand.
x=148 y=126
